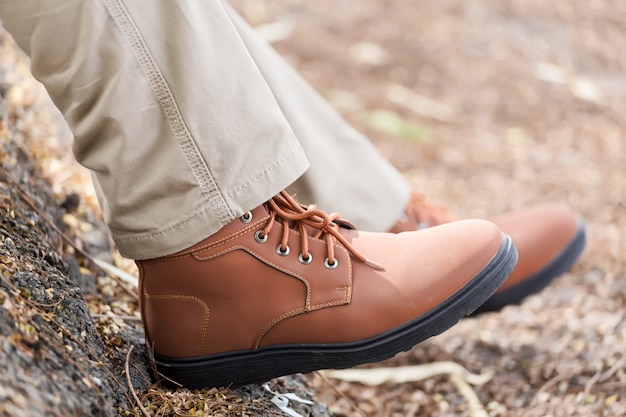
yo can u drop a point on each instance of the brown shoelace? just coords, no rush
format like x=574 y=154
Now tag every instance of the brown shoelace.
x=284 y=209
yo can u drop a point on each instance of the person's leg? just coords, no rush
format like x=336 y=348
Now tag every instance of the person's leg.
x=183 y=133
x=349 y=175
x=167 y=109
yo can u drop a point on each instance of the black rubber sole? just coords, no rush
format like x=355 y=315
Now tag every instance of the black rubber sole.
x=541 y=279
x=251 y=366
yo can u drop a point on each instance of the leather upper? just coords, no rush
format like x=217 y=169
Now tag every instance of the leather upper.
x=539 y=232
x=230 y=292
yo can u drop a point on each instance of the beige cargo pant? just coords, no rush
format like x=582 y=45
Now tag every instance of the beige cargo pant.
x=187 y=120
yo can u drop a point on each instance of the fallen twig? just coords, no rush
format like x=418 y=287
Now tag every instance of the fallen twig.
x=401 y=374
x=130 y=383
x=338 y=392
x=116 y=317
x=602 y=376
x=547 y=386
x=476 y=408
x=113 y=270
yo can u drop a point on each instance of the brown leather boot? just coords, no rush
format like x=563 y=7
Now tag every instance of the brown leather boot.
x=287 y=289
x=549 y=239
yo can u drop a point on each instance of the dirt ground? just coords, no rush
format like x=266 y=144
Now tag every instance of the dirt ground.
x=485 y=106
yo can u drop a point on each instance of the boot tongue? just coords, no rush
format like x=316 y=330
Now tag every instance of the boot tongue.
x=346 y=224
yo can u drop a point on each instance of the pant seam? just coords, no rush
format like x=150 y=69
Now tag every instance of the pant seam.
x=168 y=103
x=162 y=232
x=252 y=180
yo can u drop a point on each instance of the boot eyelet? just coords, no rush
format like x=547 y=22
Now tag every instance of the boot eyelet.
x=246 y=217
x=306 y=261
x=283 y=252
x=328 y=265
x=259 y=238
